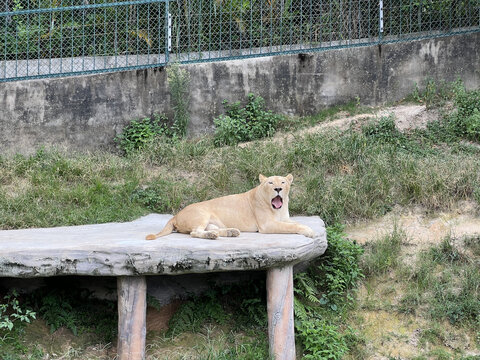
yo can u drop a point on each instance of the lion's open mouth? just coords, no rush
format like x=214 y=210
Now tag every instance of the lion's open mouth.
x=277 y=202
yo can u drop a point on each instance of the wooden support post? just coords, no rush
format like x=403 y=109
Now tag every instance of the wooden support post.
x=281 y=331
x=132 y=309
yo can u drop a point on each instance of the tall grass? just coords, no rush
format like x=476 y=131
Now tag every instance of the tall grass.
x=339 y=176
x=383 y=254
x=445 y=282
x=51 y=188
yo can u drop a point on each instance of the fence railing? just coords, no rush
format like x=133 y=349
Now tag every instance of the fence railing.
x=47 y=38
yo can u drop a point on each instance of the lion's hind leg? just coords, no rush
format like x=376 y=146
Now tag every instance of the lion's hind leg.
x=212 y=232
x=201 y=233
x=229 y=232
x=223 y=231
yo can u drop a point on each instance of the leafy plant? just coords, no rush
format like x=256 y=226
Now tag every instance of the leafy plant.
x=244 y=123
x=320 y=339
x=472 y=124
x=462 y=123
x=467 y=102
x=141 y=133
x=384 y=131
x=13 y=318
x=337 y=271
x=319 y=293
x=192 y=314
x=11 y=312
x=65 y=304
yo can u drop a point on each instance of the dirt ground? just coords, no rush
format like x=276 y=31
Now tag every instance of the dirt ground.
x=389 y=334
x=406 y=116
x=421 y=228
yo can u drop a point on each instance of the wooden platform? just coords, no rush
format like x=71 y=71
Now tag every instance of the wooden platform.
x=120 y=250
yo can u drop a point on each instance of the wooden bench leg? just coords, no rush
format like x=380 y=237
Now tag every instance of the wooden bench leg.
x=132 y=308
x=281 y=331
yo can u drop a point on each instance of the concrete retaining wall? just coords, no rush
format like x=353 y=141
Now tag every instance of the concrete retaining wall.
x=85 y=113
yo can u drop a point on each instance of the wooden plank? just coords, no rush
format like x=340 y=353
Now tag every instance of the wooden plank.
x=132 y=309
x=281 y=331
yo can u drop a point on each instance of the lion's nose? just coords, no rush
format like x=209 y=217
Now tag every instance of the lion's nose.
x=278 y=189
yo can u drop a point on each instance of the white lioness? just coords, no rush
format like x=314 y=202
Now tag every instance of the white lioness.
x=263 y=209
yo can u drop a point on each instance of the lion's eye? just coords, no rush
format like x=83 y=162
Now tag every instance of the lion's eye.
x=283 y=182
x=270 y=182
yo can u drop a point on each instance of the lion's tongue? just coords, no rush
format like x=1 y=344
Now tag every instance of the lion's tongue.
x=277 y=202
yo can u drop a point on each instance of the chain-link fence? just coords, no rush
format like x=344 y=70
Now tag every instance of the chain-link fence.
x=45 y=38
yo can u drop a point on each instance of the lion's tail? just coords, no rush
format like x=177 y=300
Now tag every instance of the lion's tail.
x=168 y=229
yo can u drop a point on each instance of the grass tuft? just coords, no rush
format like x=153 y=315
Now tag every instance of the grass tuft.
x=382 y=255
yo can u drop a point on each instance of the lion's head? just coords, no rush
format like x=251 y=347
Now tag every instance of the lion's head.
x=275 y=189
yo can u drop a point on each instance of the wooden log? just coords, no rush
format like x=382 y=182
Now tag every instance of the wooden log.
x=132 y=309
x=281 y=331
x=120 y=249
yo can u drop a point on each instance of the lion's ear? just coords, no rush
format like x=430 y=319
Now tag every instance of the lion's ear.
x=290 y=178
x=261 y=178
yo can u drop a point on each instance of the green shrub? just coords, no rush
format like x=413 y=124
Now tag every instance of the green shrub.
x=141 y=133
x=322 y=292
x=384 y=131
x=467 y=102
x=321 y=340
x=465 y=123
x=12 y=313
x=338 y=270
x=244 y=123
x=472 y=124
x=194 y=313
x=64 y=303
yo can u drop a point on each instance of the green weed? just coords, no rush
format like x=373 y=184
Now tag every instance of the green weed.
x=14 y=316
x=321 y=340
x=12 y=313
x=244 y=123
x=141 y=133
x=435 y=94
x=194 y=313
x=446 y=281
x=384 y=131
x=322 y=294
x=383 y=255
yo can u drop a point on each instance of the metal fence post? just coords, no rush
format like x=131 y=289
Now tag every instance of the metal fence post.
x=168 y=47
x=380 y=34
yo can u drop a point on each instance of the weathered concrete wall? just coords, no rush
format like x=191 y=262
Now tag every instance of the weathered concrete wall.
x=84 y=113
